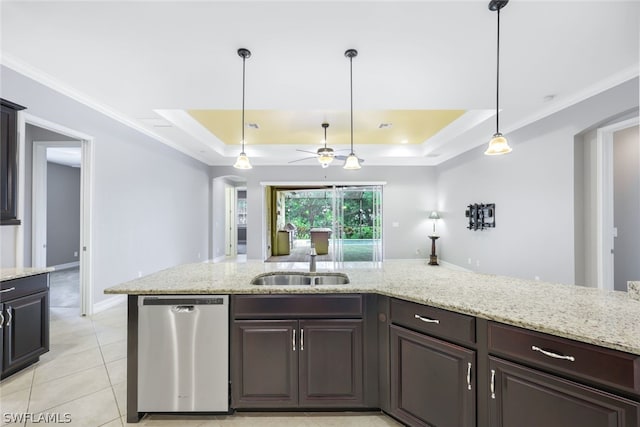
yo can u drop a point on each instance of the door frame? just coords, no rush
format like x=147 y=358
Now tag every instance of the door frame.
x=230 y=223
x=38 y=224
x=604 y=201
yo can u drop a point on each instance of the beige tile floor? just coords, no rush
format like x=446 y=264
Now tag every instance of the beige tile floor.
x=84 y=375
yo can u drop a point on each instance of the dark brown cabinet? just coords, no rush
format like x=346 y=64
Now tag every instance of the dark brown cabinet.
x=291 y=363
x=330 y=363
x=265 y=364
x=8 y=162
x=302 y=351
x=433 y=381
x=25 y=330
x=523 y=397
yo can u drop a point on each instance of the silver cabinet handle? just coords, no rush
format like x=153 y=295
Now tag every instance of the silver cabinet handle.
x=493 y=384
x=293 y=340
x=426 y=319
x=10 y=316
x=7 y=290
x=1 y=320
x=553 y=355
x=469 y=376
x=301 y=339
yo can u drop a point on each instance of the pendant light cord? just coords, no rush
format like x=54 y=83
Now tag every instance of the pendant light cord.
x=244 y=60
x=498 y=77
x=351 y=85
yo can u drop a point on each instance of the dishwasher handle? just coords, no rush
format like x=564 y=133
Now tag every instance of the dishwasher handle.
x=182 y=308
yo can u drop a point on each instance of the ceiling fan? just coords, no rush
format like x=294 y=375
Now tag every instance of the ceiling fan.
x=325 y=155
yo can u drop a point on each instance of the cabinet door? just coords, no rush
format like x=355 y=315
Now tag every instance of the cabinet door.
x=26 y=330
x=264 y=360
x=525 y=397
x=2 y=322
x=432 y=381
x=331 y=363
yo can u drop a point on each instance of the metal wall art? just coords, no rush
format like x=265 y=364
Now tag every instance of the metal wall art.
x=481 y=216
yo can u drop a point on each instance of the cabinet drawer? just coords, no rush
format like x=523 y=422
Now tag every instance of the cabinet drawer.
x=296 y=306
x=596 y=364
x=434 y=321
x=10 y=289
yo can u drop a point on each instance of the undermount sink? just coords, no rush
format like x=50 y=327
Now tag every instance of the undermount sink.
x=295 y=278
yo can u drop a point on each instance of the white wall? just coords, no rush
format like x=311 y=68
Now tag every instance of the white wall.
x=533 y=189
x=408 y=198
x=151 y=203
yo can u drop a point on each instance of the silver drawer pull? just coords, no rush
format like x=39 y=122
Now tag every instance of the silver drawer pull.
x=10 y=316
x=1 y=320
x=426 y=319
x=493 y=384
x=469 y=376
x=301 y=339
x=7 y=290
x=553 y=355
x=293 y=340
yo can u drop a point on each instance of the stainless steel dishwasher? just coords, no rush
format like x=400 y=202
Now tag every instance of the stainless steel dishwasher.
x=183 y=353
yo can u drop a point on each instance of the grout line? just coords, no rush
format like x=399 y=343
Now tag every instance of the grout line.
x=113 y=390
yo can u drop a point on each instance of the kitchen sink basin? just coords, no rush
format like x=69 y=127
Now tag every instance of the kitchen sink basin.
x=309 y=279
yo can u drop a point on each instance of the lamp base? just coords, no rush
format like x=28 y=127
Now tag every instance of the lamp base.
x=433 y=258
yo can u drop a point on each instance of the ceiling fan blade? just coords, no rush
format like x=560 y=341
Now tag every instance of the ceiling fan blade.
x=305 y=151
x=304 y=158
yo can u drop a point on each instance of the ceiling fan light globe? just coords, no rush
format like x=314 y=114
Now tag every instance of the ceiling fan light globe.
x=325 y=159
x=352 y=162
x=242 y=162
x=498 y=145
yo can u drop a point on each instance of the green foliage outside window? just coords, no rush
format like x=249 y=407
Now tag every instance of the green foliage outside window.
x=315 y=211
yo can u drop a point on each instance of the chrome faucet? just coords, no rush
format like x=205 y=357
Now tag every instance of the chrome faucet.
x=312 y=259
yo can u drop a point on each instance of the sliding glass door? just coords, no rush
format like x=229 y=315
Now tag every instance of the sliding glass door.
x=343 y=223
x=357 y=226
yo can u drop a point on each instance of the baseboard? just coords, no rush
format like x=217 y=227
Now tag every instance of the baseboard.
x=219 y=258
x=108 y=303
x=66 y=266
x=453 y=266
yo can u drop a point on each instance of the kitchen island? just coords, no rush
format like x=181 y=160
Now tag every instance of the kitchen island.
x=499 y=310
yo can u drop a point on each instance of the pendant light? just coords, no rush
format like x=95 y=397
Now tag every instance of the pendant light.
x=243 y=161
x=326 y=154
x=498 y=144
x=352 y=161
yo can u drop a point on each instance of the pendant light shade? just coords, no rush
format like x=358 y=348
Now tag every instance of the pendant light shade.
x=352 y=162
x=498 y=144
x=325 y=154
x=243 y=161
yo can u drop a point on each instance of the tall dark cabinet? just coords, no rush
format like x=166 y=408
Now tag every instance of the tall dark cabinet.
x=9 y=161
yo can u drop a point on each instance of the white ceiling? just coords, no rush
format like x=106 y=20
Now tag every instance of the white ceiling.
x=146 y=62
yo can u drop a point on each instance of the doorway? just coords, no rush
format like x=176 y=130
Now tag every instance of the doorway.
x=60 y=210
x=607 y=199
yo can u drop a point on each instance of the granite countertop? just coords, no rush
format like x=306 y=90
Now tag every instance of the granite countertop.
x=604 y=318
x=16 y=273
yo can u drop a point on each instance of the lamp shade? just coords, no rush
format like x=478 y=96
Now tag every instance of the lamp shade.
x=242 y=162
x=434 y=215
x=498 y=145
x=352 y=162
